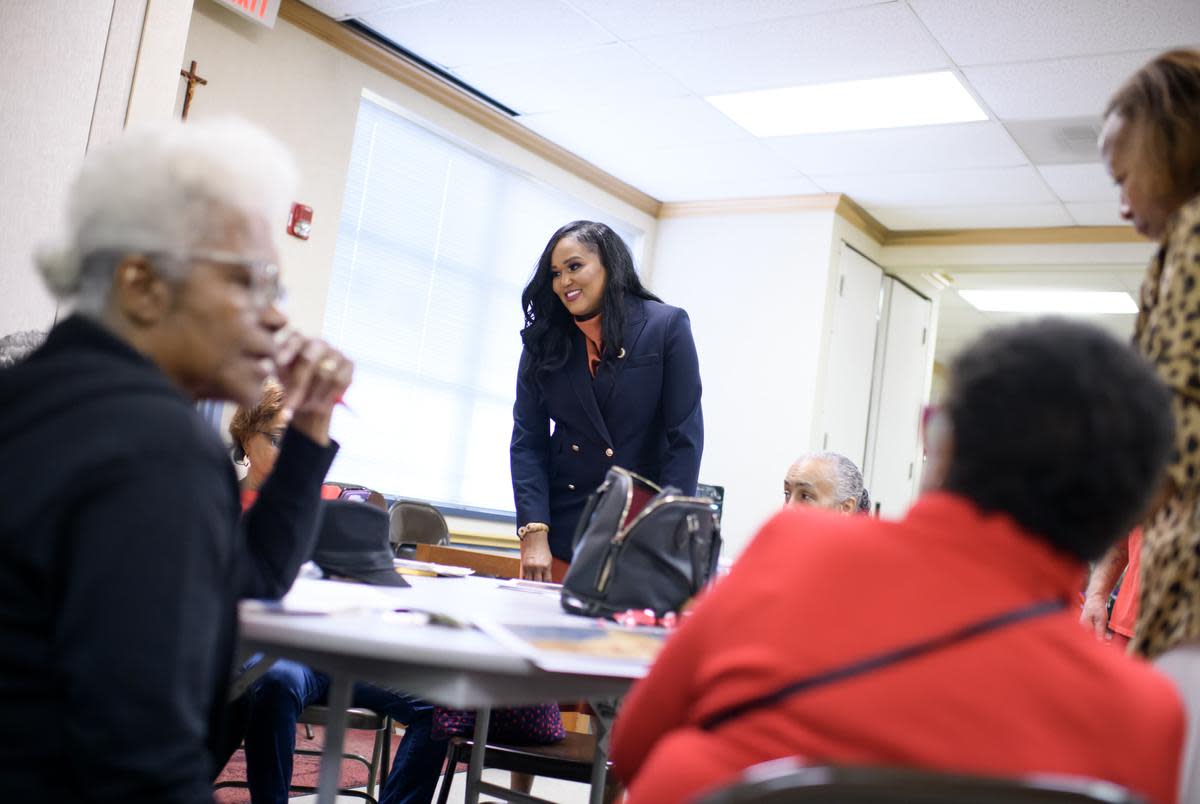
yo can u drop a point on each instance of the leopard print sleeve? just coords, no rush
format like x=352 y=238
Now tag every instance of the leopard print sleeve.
x=1168 y=333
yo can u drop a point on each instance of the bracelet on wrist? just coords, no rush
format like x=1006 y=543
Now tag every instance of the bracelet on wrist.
x=532 y=527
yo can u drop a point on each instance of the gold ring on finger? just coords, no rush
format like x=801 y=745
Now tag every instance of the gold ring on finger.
x=328 y=365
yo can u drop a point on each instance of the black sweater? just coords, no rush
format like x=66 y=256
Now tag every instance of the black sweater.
x=122 y=558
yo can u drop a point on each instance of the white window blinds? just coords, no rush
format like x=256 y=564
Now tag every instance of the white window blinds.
x=434 y=246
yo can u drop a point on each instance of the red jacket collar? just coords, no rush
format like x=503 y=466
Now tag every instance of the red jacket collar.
x=956 y=523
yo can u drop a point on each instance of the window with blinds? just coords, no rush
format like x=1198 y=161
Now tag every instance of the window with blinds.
x=434 y=246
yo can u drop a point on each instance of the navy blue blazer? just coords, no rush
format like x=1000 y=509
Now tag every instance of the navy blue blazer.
x=640 y=412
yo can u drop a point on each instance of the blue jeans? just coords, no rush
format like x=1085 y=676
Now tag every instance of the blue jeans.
x=278 y=697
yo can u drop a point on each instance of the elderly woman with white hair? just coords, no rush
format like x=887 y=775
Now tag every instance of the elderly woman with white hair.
x=122 y=554
x=827 y=480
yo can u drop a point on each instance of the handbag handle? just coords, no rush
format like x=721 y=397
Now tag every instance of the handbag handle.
x=589 y=508
x=882 y=660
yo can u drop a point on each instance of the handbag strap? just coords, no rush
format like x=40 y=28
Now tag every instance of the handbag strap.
x=882 y=660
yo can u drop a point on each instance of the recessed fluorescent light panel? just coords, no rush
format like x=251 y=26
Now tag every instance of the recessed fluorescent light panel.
x=906 y=100
x=1063 y=302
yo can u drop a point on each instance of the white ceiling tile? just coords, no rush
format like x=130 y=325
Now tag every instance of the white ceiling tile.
x=958 y=328
x=971 y=217
x=1083 y=182
x=968 y=145
x=959 y=323
x=454 y=33
x=1089 y=278
x=1096 y=214
x=994 y=186
x=866 y=42
x=348 y=9
x=694 y=187
x=731 y=170
x=601 y=134
x=992 y=31
x=638 y=19
x=602 y=76
x=1075 y=87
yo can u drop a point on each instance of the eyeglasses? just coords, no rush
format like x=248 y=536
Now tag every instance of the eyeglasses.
x=265 y=288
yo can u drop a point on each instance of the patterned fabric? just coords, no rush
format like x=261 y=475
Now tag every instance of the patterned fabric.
x=1170 y=606
x=519 y=725
x=1168 y=333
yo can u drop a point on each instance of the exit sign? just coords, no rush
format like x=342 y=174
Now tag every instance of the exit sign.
x=261 y=11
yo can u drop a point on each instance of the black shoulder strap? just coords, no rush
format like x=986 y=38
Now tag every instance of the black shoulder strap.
x=881 y=660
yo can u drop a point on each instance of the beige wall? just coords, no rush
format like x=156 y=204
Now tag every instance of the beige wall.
x=70 y=70
x=307 y=93
x=51 y=56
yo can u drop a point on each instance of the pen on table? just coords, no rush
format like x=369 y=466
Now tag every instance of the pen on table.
x=437 y=618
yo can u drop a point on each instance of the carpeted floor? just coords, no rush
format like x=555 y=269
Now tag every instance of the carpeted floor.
x=306 y=769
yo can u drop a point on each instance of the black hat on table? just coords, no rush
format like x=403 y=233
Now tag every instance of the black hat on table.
x=352 y=542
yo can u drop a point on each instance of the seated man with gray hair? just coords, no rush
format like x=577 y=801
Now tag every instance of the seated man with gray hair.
x=123 y=551
x=826 y=480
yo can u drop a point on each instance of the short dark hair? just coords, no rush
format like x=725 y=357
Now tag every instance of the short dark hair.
x=548 y=324
x=1060 y=426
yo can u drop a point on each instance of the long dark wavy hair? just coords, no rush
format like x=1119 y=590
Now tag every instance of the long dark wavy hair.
x=549 y=325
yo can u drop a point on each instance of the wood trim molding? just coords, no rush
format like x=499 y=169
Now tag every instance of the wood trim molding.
x=432 y=86
x=1028 y=236
x=861 y=219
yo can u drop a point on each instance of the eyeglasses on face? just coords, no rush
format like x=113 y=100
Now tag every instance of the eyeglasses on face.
x=265 y=288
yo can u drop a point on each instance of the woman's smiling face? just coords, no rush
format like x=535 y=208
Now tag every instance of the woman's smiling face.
x=577 y=277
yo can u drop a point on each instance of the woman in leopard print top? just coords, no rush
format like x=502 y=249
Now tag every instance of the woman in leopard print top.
x=1151 y=142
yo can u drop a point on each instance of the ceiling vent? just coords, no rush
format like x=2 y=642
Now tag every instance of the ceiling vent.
x=1080 y=139
x=1057 y=142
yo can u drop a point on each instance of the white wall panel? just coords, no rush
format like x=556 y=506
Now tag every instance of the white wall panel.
x=50 y=56
x=755 y=286
x=893 y=464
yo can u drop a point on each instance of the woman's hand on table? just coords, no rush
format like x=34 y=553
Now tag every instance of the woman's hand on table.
x=535 y=556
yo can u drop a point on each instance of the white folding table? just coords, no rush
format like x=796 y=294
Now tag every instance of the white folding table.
x=458 y=667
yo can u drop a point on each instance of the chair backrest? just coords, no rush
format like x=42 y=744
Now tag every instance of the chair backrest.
x=356 y=493
x=417 y=523
x=785 y=781
x=1182 y=664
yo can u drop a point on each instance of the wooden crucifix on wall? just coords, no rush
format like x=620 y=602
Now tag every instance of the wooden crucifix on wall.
x=193 y=78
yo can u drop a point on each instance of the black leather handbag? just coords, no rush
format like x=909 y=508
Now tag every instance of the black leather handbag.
x=638 y=546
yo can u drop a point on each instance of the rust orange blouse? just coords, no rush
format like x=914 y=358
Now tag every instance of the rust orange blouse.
x=593 y=334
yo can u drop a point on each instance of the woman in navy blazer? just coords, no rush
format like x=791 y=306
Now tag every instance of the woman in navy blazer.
x=608 y=376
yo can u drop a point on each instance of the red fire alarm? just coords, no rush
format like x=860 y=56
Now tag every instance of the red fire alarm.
x=300 y=221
